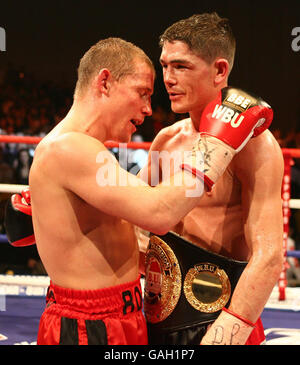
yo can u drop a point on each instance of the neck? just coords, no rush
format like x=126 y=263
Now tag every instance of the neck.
x=85 y=118
x=196 y=114
x=196 y=117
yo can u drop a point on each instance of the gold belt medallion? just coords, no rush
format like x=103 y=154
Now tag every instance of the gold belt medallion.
x=163 y=281
x=207 y=287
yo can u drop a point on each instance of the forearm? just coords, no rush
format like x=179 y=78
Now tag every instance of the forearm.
x=256 y=284
x=249 y=297
x=264 y=238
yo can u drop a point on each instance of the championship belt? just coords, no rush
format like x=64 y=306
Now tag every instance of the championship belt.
x=185 y=284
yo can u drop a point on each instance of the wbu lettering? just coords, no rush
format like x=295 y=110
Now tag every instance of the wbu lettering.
x=132 y=300
x=227 y=115
x=2 y=40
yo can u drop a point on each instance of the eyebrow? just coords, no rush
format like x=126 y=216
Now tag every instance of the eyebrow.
x=147 y=89
x=179 y=60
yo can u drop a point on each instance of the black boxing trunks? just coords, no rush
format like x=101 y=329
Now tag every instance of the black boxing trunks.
x=109 y=316
x=186 y=288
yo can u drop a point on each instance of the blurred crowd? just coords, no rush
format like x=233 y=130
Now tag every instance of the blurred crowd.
x=29 y=107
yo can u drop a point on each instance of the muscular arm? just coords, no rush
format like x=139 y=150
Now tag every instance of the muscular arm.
x=79 y=168
x=260 y=169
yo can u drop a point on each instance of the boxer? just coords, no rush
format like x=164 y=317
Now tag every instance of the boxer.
x=85 y=207
x=226 y=253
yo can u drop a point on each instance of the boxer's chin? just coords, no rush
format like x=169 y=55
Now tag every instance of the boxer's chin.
x=179 y=108
x=124 y=138
x=127 y=139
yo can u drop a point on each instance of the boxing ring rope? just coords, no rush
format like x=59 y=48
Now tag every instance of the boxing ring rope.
x=287 y=203
x=35 y=140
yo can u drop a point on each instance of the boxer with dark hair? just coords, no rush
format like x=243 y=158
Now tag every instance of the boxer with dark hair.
x=228 y=250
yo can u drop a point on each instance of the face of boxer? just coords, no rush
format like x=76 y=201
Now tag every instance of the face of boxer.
x=132 y=101
x=189 y=80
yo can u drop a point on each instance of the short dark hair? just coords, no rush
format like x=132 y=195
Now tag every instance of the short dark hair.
x=207 y=35
x=115 y=54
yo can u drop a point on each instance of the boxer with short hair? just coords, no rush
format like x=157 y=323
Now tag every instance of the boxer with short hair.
x=85 y=206
x=227 y=251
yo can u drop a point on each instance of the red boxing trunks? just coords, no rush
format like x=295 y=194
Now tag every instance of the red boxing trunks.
x=109 y=316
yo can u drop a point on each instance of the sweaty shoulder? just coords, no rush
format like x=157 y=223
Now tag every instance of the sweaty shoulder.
x=59 y=152
x=261 y=153
x=174 y=132
x=66 y=143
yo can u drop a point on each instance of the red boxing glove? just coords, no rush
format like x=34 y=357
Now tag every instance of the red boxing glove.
x=18 y=220
x=227 y=123
x=235 y=116
x=26 y=196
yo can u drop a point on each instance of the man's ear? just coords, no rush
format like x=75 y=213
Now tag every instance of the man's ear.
x=103 y=81
x=221 y=67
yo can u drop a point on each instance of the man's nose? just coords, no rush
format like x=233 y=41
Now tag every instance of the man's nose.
x=147 y=109
x=169 y=76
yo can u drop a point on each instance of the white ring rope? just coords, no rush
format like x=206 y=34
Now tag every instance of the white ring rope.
x=294 y=203
x=12 y=188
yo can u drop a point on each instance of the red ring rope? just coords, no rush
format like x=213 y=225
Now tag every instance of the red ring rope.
x=4 y=138
x=35 y=140
x=292 y=152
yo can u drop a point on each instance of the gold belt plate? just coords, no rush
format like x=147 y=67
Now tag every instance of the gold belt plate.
x=207 y=287
x=163 y=281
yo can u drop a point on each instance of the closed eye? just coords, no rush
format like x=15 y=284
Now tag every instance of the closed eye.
x=180 y=66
